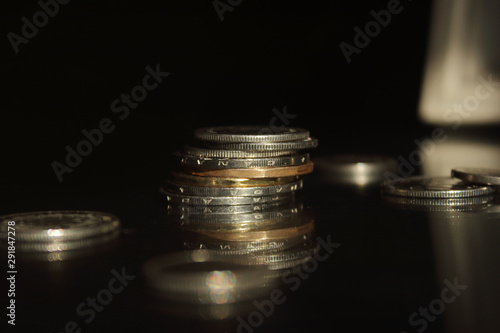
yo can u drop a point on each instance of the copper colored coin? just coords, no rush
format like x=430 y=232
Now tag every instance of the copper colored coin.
x=258 y=172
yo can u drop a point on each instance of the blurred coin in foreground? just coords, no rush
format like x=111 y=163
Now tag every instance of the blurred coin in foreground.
x=477 y=175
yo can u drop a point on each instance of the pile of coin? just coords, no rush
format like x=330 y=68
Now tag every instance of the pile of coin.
x=239 y=166
x=467 y=188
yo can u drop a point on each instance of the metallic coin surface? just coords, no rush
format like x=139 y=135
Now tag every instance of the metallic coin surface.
x=183 y=178
x=222 y=210
x=255 y=235
x=266 y=146
x=253 y=191
x=223 y=201
x=434 y=187
x=64 y=225
x=477 y=175
x=224 y=153
x=250 y=134
x=439 y=205
x=258 y=172
x=203 y=276
x=235 y=163
x=278 y=213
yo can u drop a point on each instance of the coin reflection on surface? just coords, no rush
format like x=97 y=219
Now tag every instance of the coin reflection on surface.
x=357 y=170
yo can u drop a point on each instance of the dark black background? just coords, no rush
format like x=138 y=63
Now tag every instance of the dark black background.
x=264 y=55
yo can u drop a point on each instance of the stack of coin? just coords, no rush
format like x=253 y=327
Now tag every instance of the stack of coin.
x=440 y=193
x=238 y=169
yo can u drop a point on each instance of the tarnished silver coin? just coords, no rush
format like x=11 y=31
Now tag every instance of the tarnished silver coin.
x=254 y=191
x=434 y=187
x=225 y=153
x=239 y=163
x=222 y=210
x=266 y=146
x=278 y=213
x=250 y=134
x=64 y=225
x=223 y=201
x=477 y=175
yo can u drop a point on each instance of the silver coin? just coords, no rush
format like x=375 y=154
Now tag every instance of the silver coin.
x=224 y=153
x=254 y=191
x=434 y=187
x=238 y=163
x=223 y=210
x=223 y=201
x=439 y=205
x=266 y=146
x=55 y=246
x=64 y=225
x=278 y=213
x=249 y=134
x=357 y=170
x=477 y=175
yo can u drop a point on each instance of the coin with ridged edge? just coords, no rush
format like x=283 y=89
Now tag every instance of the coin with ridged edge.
x=235 y=163
x=258 y=172
x=266 y=146
x=222 y=201
x=250 y=134
x=232 y=191
x=64 y=225
x=225 y=153
x=434 y=187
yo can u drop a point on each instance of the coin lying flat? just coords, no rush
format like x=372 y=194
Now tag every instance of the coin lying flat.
x=434 y=187
x=249 y=134
x=266 y=146
x=477 y=175
x=439 y=205
x=223 y=201
x=183 y=178
x=253 y=191
x=235 y=163
x=223 y=209
x=204 y=276
x=258 y=172
x=64 y=225
x=225 y=153
x=277 y=213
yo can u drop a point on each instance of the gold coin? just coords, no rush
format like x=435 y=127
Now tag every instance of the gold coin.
x=273 y=172
x=259 y=235
x=182 y=178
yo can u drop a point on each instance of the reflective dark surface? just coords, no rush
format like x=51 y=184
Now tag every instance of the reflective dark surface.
x=381 y=267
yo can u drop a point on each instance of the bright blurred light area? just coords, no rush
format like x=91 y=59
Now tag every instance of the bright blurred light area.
x=461 y=83
x=460 y=153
